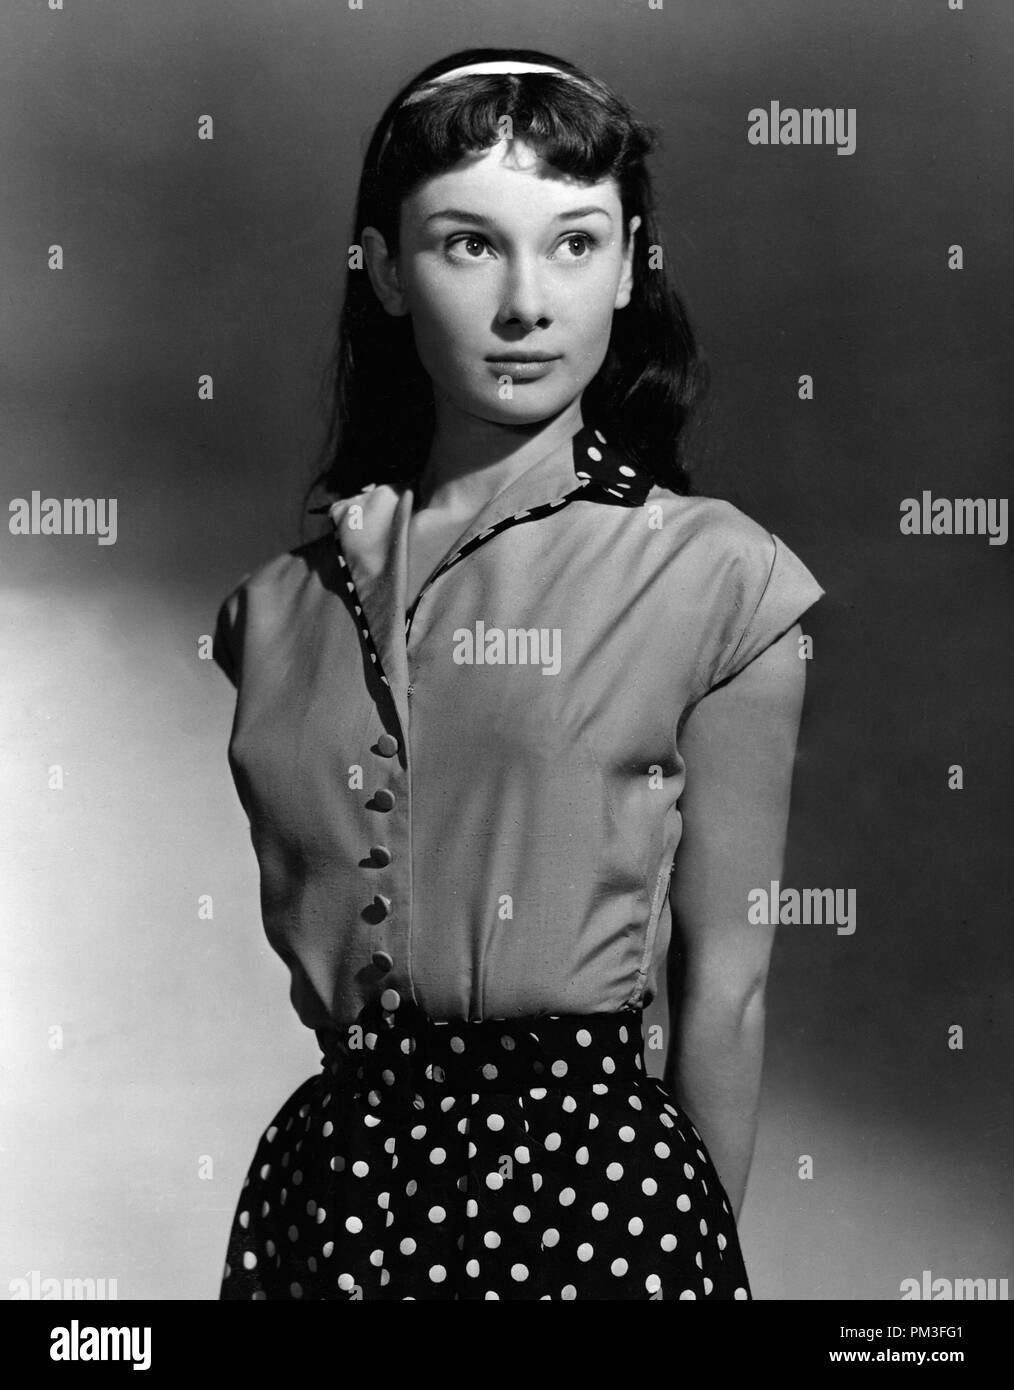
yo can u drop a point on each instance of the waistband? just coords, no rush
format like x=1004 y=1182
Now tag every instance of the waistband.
x=550 y=1050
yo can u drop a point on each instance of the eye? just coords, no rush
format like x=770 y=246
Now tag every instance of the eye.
x=462 y=247
x=578 y=245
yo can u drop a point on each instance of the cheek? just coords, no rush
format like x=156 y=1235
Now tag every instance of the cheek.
x=444 y=316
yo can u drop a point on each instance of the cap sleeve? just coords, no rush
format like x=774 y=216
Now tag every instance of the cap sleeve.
x=225 y=647
x=777 y=589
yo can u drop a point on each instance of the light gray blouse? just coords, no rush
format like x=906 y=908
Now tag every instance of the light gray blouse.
x=474 y=804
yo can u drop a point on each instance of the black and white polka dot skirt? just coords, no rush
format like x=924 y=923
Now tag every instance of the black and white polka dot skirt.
x=528 y=1158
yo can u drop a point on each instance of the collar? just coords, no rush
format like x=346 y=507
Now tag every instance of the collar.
x=373 y=539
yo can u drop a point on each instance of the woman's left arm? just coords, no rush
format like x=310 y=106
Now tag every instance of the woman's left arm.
x=739 y=747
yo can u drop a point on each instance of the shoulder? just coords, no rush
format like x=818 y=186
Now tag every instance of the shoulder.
x=746 y=586
x=713 y=536
x=286 y=574
x=267 y=599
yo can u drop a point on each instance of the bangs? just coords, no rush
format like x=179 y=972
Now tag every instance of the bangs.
x=580 y=130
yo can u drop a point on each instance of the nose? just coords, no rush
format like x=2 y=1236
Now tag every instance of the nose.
x=524 y=301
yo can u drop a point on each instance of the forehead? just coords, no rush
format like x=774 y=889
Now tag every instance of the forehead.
x=511 y=178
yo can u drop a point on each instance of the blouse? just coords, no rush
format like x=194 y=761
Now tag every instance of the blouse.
x=473 y=804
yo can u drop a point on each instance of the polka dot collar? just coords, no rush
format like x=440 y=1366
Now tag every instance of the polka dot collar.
x=604 y=468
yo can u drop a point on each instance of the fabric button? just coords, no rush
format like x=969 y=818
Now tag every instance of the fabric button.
x=387 y=745
x=390 y=999
x=383 y=904
x=383 y=961
x=380 y=854
x=383 y=799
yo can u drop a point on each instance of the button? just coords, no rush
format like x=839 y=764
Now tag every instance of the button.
x=380 y=854
x=384 y=800
x=383 y=961
x=383 y=904
x=390 y=999
x=387 y=745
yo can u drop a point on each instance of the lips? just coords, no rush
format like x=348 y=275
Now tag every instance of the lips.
x=508 y=357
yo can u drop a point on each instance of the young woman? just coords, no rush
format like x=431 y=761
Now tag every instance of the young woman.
x=477 y=720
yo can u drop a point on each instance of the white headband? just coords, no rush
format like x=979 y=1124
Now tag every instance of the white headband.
x=498 y=65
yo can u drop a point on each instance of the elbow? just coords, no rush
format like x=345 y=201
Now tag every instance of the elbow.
x=732 y=1005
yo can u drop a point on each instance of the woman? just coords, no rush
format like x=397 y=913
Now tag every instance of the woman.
x=476 y=720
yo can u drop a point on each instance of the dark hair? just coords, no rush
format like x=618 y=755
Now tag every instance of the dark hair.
x=378 y=398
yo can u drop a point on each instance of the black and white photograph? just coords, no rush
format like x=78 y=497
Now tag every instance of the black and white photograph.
x=507 y=662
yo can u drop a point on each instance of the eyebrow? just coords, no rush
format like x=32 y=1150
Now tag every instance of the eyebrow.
x=462 y=215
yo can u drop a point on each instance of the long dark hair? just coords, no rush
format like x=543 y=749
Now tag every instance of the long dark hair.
x=377 y=397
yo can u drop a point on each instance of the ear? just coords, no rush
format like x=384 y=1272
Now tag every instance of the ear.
x=624 y=288
x=382 y=269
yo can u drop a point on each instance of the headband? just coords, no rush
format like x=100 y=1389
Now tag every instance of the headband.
x=498 y=65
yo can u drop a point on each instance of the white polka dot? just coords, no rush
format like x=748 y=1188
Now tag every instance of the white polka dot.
x=668 y=1242
x=296 y=1290
x=608 y=1064
x=495 y=1121
x=249 y=1260
x=614 y=1172
x=722 y=1242
x=687 y=1293
x=618 y=1267
x=353 y=1224
x=472 y=1269
x=360 y=1168
x=550 y=1237
x=407 y=1246
x=594 y=453
x=599 y=1211
x=559 y=1068
x=553 y=1141
x=741 y=1293
x=519 y=1273
x=653 y=1283
x=568 y=1293
x=438 y=1274
x=585 y=1251
x=494 y=1181
x=438 y=1155
x=567 y=1196
x=436 y=1214
x=635 y=1226
x=626 y=1133
x=521 y=1213
x=583 y=1037
x=491 y=1240
x=649 y=1187
x=683 y=1202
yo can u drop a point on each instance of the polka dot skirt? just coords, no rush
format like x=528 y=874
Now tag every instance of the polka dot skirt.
x=529 y=1158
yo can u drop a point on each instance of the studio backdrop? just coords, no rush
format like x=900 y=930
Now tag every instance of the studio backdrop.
x=179 y=186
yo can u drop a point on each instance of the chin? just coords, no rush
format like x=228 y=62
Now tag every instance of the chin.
x=529 y=406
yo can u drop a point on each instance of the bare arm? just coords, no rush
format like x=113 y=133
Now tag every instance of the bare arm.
x=739 y=746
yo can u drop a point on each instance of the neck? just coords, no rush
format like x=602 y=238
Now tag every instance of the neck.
x=470 y=459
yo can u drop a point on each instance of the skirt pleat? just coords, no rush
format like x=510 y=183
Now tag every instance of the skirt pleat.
x=526 y=1158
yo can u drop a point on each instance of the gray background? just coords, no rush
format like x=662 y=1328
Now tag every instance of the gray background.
x=184 y=257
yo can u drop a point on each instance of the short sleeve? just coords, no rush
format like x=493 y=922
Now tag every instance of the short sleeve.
x=778 y=589
x=225 y=648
